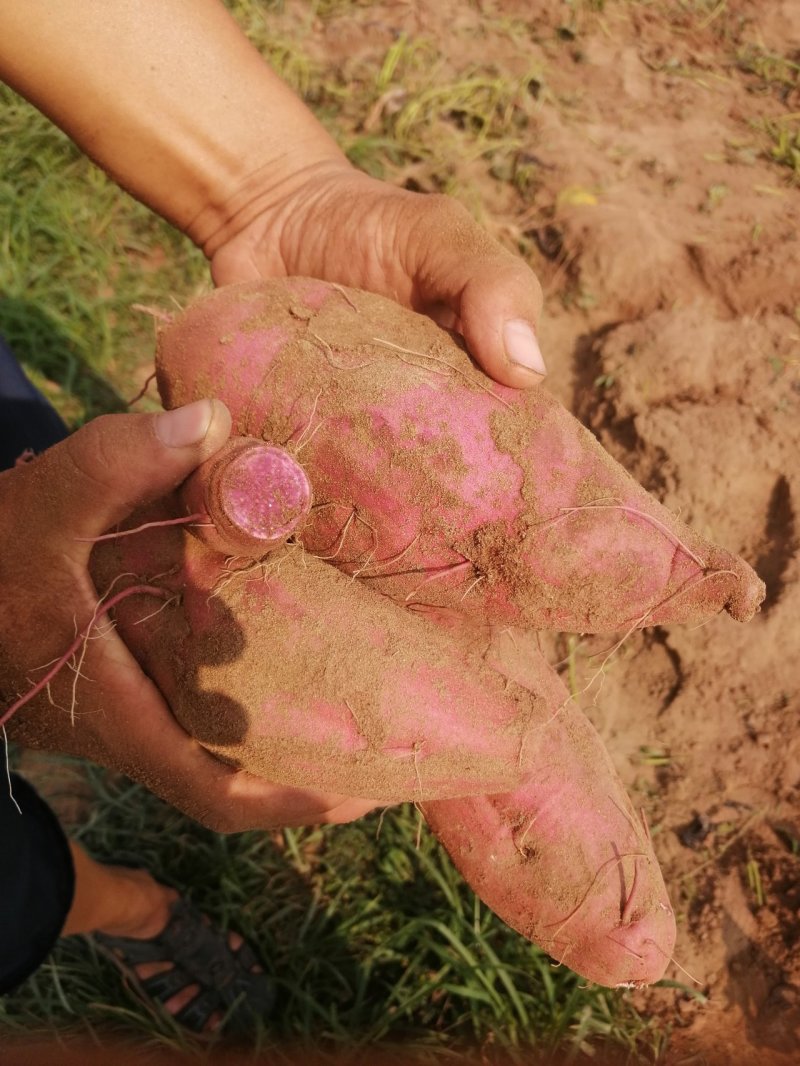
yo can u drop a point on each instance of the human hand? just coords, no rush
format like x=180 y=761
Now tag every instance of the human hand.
x=425 y=251
x=236 y=160
x=108 y=710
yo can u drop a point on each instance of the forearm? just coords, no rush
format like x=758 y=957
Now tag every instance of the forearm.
x=170 y=98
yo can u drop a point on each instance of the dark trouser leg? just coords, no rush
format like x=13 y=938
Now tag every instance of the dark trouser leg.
x=36 y=869
x=26 y=418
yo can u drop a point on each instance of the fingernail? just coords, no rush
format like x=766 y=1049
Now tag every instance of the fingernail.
x=521 y=346
x=185 y=425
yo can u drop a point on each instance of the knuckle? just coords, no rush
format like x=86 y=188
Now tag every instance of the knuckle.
x=219 y=822
x=89 y=454
x=346 y=811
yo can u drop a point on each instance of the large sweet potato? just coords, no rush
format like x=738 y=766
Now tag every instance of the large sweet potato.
x=456 y=496
x=435 y=485
x=563 y=858
x=296 y=672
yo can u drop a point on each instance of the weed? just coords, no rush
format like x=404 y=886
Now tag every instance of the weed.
x=785 y=147
x=771 y=72
x=789 y=839
x=654 y=756
x=715 y=196
x=754 y=881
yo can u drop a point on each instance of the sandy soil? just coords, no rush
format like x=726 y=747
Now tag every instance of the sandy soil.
x=668 y=244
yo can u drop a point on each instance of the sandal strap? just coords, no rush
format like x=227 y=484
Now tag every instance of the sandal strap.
x=246 y=957
x=198 y=1010
x=200 y=955
x=201 y=950
x=163 y=986
x=131 y=951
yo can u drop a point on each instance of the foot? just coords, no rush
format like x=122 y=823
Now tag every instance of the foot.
x=175 y=957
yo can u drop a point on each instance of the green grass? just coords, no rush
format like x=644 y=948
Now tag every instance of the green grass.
x=368 y=931
x=75 y=256
x=370 y=938
x=770 y=72
x=784 y=147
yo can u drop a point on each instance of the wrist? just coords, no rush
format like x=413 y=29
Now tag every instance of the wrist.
x=268 y=194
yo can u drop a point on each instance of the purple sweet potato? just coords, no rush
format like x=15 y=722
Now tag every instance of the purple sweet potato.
x=435 y=485
x=438 y=490
x=296 y=672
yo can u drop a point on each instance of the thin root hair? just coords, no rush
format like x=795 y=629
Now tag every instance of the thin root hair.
x=345 y=296
x=438 y=359
x=628 y=905
x=603 y=871
x=201 y=517
x=301 y=442
x=156 y=313
x=565 y=512
x=142 y=390
x=101 y=608
x=327 y=351
x=386 y=562
x=438 y=573
x=673 y=960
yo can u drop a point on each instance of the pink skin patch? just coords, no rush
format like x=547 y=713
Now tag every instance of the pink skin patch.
x=265 y=493
x=432 y=697
x=323 y=722
x=617 y=538
x=486 y=483
x=313 y=293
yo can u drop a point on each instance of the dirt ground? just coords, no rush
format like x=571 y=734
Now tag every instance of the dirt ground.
x=660 y=212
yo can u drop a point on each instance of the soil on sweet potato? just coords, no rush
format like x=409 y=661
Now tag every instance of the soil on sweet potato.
x=433 y=484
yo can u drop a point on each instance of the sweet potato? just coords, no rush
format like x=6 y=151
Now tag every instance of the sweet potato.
x=460 y=498
x=435 y=485
x=295 y=672
x=563 y=858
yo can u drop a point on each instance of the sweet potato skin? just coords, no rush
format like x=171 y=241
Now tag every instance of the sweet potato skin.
x=452 y=495
x=563 y=858
x=435 y=485
x=293 y=671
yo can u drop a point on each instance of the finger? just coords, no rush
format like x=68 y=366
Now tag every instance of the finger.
x=265 y=805
x=494 y=297
x=151 y=747
x=97 y=476
x=232 y=801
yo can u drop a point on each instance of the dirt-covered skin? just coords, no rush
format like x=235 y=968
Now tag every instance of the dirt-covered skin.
x=293 y=671
x=448 y=494
x=434 y=484
x=298 y=674
x=564 y=858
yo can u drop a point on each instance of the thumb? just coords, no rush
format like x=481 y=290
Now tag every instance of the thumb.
x=492 y=296
x=101 y=473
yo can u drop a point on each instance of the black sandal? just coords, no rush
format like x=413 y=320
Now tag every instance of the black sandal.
x=200 y=955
